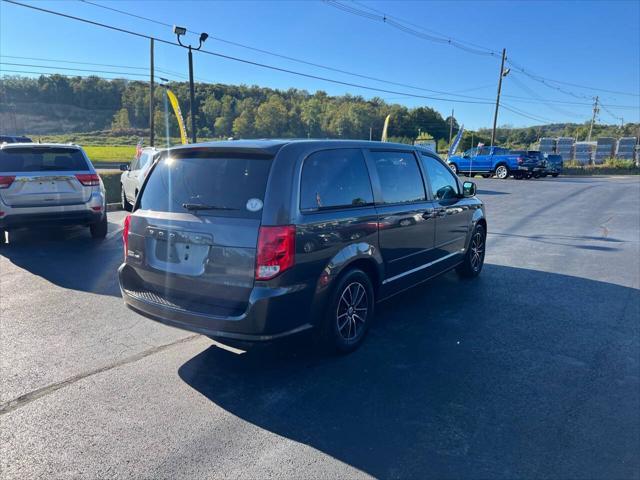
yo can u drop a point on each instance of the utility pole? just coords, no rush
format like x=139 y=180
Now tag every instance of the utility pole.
x=593 y=117
x=495 y=115
x=370 y=133
x=450 y=128
x=152 y=134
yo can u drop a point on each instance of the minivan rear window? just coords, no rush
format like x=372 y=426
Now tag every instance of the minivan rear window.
x=207 y=186
x=40 y=159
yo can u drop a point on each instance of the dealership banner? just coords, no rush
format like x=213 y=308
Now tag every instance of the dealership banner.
x=456 y=141
x=176 y=109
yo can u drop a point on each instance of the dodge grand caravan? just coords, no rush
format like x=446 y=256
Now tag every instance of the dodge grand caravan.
x=256 y=240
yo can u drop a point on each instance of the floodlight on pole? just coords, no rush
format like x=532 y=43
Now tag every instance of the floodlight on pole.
x=181 y=31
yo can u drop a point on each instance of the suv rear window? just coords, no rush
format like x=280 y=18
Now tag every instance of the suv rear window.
x=335 y=179
x=37 y=159
x=225 y=184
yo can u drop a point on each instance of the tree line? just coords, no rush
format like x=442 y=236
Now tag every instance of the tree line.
x=242 y=111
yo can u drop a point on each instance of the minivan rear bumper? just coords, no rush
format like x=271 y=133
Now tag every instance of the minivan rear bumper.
x=272 y=313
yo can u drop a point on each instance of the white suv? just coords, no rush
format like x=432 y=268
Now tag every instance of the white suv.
x=49 y=184
x=133 y=175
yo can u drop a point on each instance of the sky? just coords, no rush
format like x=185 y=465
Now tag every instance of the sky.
x=592 y=44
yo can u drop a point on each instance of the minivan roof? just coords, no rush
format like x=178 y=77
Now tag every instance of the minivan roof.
x=272 y=146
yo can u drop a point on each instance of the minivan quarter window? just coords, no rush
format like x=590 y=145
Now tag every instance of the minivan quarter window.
x=335 y=179
x=443 y=184
x=399 y=175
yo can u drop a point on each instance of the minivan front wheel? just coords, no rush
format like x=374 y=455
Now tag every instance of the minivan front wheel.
x=349 y=312
x=474 y=257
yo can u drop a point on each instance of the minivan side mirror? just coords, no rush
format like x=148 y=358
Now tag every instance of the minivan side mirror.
x=468 y=189
x=124 y=167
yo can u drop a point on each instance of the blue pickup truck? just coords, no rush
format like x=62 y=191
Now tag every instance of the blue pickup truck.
x=489 y=161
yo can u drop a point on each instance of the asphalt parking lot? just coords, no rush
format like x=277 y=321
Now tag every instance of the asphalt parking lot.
x=530 y=371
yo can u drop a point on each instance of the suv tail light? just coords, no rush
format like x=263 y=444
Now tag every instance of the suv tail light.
x=6 y=180
x=125 y=234
x=88 y=179
x=276 y=251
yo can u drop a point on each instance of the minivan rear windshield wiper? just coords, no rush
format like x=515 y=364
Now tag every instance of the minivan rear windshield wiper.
x=204 y=206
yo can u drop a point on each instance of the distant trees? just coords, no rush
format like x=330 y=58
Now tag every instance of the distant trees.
x=245 y=111
x=121 y=120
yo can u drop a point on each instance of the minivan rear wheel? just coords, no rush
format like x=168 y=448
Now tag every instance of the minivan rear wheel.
x=349 y=312
x=474 y=257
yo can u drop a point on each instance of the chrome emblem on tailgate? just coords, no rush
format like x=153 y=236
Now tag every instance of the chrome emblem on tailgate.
x=180 y=236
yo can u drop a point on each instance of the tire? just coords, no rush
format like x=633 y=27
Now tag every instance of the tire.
x=502 y=171
x=474 y=258
x=126 y=206
x=454 y=168
x=349 y=313
x=99 y=229
x=555 y=175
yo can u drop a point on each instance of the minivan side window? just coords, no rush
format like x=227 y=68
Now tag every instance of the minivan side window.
x=400 y=179
x=335 y=179
x=443 y=184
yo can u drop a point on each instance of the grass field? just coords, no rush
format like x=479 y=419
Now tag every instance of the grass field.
x=110 y=153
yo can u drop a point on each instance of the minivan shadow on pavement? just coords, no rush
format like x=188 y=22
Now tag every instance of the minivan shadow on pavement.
x=69 y=257
x=520 y=373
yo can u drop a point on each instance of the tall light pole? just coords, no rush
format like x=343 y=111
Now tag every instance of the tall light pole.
x=152 y=134
x=503 y=73
x=180 y=31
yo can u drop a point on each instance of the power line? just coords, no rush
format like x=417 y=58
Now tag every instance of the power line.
x=271 y=67
x=551 y=106
x=33 y=72
x=40 y=59
x=527 y=115
x=285 y=57
x=73 y=69
x=396 y=22
x=248 y=62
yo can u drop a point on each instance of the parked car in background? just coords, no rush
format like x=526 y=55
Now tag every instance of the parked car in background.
x=532 y=165
x=553 y=165
x=49 y=185
x=489 y=161
x=252 y=241
x=14 y=139
x=133 y=175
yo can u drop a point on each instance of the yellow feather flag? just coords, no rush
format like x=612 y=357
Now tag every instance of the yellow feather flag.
x=386 y=127
x=176 y=109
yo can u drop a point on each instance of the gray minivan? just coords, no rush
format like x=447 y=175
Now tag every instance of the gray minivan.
x=256 y=240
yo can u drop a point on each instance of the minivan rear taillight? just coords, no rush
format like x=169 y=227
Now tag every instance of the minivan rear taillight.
x=125 y=235
x=6 y=180
x=276 y=251
x=88 y=179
